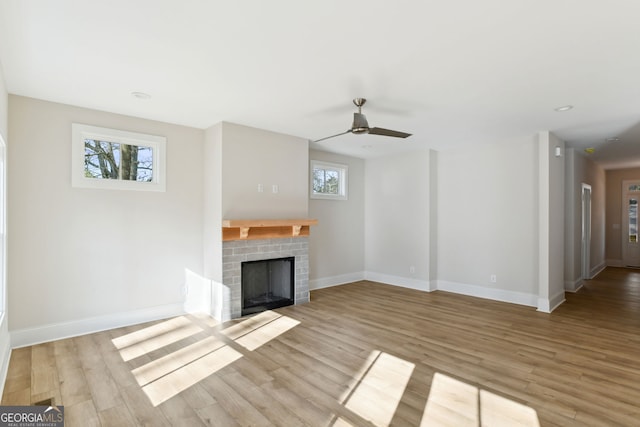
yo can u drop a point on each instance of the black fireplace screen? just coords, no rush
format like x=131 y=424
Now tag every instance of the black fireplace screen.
x=267 y=284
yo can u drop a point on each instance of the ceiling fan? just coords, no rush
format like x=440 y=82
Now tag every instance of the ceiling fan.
x=360 y=125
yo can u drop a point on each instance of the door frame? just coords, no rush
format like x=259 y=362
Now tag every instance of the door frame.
x=624 y=220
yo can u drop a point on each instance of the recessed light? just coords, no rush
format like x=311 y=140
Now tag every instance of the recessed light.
x=564 y=108
x=140 y=95
x=613 y=139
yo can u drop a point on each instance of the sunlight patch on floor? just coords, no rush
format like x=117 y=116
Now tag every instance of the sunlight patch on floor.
x=171 y=373
x=340 y=422
x=358 y=376
x=266 y=333
x=377 y=395
x=453 y=402
x=499 y=411
x=255 y=331
x=190 y=374
x=176 y=360
x=154 y=337
x=249 y=324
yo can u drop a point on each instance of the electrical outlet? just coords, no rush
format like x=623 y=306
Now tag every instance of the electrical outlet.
x=412 y=269
x=274 y=188
x=493 y=278
x=260 y=188
x=185 y=290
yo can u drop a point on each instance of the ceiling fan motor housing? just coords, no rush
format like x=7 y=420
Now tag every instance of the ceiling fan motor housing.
x=360 y=124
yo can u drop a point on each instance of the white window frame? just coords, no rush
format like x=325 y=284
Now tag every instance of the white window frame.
x=343 y=184
x=3 y=228
x=80 y=132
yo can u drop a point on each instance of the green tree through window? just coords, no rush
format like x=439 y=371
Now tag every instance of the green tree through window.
x=328 y=181
x=112 y=160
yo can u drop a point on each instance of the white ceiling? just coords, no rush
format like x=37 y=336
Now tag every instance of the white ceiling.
x=451 y=73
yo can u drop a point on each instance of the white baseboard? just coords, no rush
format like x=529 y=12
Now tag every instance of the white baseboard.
x=5 y=351
x=56 y=331
x=573 y=286
x=327 y=282
x=405 y=282
x=548 y=305
x=597 y=269
x=488 y=293
x=614 y=263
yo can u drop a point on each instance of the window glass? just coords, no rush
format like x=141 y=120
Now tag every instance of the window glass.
x=328 y=181
x=111 y=160
x=633 y=220
x=116 y=159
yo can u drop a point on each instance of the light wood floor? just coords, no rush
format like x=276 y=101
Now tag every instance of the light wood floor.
x=358 y=354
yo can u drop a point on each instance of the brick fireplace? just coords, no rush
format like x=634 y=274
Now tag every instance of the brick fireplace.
x=253 y=240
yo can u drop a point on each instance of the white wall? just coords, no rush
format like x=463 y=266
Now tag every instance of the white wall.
x=488 y=220
x=212 y=202
x=551 y=219
x=253 y=156
x=107 y=255
x=336 y=244
x=397 y=221
x=5 y=341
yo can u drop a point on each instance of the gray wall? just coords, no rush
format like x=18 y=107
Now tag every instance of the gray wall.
x=336 y=244
x=488 y=220
x=397 y=219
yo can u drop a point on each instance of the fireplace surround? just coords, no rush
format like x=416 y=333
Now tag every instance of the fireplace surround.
x=235 y=252
x=254 y=240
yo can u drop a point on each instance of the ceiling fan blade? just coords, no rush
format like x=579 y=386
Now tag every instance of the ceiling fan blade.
x=332 y=136
x=388 y=132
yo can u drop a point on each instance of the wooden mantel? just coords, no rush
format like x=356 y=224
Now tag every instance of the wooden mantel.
x=252 y=229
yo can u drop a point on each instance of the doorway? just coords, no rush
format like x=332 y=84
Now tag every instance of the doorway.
x=630 y=244
x=586 y=232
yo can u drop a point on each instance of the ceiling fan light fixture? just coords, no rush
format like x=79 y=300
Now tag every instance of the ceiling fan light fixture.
x=140 y=95
x=360 y=131
x=564 y=108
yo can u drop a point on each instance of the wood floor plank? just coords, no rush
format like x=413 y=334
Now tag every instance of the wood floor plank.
x=214 y=415
x=233 y=403
x=141 y=409
x=116 y=416
x=360 y=354
x=74 y=388
x=271 y=408
x=81 y=414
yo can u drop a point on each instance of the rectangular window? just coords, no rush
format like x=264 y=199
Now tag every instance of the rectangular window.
x=328 y=180
x=115 y=159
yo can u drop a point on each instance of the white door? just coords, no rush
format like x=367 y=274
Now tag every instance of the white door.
x=586 y=231
x=630 y=244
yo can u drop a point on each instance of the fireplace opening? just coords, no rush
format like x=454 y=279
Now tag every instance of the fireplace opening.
x=267 y=284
